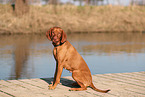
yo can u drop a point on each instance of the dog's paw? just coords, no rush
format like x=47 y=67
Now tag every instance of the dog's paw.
x=50 y=84
x=51 y=87
x=72 y=89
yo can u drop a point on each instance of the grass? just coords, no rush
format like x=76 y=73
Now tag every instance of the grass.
x=74 y=19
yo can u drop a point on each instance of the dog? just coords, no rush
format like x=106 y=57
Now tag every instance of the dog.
x=67 y=57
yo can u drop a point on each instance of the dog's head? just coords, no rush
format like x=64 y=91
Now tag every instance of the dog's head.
x=56 y=35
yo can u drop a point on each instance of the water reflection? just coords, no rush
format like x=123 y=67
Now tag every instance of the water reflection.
x=21 y=53
x=112 y=43
x=30 y=56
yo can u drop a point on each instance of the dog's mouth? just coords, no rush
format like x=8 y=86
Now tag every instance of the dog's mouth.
x=56 y=41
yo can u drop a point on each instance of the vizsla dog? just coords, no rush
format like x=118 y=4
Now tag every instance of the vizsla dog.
x=67 y=57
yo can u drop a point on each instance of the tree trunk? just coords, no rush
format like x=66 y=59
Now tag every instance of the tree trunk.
x=21 y=7
x=88 y=2
x=54 y=2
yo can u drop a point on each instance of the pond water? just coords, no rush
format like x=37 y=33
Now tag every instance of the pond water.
x=30 y=56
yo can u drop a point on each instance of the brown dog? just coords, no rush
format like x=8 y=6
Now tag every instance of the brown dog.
x=67 y=57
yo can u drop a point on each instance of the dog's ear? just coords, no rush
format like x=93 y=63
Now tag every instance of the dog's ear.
x=63 y=37
x=49 y=33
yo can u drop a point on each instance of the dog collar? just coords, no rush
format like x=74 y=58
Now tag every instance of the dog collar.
x=59 y=44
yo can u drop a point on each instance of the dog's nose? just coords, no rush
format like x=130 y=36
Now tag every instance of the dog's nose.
x=55 y=37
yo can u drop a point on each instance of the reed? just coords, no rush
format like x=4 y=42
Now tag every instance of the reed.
x=74 y=19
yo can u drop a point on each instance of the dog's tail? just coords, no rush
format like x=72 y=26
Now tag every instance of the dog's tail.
x=94 y=88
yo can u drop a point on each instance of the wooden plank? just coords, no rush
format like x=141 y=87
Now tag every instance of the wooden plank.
x=134 y=75
x=128 y=79
x=124 y=86
x=116 y=87
x=124 y=80
x=5 y=94
x=121 y=85
x=139 y=73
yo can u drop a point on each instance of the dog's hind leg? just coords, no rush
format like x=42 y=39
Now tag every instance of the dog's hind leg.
x=83 y=87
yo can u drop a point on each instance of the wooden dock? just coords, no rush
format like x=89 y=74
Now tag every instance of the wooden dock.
x=121 y=85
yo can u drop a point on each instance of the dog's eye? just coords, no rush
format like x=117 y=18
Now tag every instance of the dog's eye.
x=52 y=33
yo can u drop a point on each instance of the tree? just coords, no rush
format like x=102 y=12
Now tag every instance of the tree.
x=88 y=2
x=55 y=2
x=21 y=7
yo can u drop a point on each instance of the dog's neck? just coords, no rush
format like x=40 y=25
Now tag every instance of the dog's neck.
x=58 y=44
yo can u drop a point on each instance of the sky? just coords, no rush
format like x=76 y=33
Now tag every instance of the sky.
x=113 y=2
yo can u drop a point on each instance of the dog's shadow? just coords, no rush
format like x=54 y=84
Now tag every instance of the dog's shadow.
x=63 y=81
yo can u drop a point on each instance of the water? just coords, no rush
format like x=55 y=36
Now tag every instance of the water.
x=30 y=56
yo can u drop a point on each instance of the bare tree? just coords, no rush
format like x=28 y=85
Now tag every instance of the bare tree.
x=21 y=7
x=88 y=2
x=46 y=1
x=1 y=1
x=137 y=2
x=55 y=2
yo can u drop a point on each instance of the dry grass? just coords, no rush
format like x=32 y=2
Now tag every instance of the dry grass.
x=73 y=19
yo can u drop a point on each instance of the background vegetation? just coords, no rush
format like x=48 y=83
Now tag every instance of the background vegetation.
x=71 y=18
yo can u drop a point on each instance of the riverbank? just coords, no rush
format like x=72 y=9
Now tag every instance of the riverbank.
x=121 y=85
x=73 y=19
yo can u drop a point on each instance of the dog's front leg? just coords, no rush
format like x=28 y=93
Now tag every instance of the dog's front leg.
x=57 y=76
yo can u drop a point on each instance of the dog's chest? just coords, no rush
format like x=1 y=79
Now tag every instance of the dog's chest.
x=59 y=54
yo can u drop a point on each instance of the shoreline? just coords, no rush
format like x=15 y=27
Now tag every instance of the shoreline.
x=77 y=32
